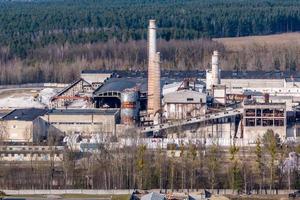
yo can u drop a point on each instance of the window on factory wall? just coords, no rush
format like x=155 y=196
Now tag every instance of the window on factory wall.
x=278 y=122
x=250 y=112
x=278 y=112
x=267 y=122
x=258 y=122
x=267 y=112
x=250 y=122
x=258 y=112
x=14 y=126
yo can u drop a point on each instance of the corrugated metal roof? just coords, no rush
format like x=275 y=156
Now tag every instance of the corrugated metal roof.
x=27 y=114
x=121 y=84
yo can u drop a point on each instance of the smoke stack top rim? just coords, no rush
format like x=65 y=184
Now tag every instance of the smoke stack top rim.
x=152 y=24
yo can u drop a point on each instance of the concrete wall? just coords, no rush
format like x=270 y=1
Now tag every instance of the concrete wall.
x=27 y=157
x=95 y=77
x=183 y=110
x=253 y=83
x=18 y=131
x=255 y=132
x=84 y=124
x=24 y=131
x=129 y=191
x=222 y=129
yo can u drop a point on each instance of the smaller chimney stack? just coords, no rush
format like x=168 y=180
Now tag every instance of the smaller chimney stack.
x=215 y=71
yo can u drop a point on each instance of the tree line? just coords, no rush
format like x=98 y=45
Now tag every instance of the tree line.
x=63 y=63
x=180 y=167
x=36 y=24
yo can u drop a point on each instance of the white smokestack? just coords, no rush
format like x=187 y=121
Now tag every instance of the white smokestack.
x=215 y=71
x=152 y=40
x=154 y=93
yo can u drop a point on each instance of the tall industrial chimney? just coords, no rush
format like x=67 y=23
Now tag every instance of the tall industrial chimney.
x=154 y=93
x=215 y=71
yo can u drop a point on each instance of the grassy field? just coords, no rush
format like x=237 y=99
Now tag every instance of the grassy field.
x=237 y=43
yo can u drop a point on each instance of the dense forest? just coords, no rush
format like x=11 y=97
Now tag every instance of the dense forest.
x=29 y=25
x=53 y=40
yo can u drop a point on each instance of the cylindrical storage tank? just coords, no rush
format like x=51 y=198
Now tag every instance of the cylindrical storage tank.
x=130 y=107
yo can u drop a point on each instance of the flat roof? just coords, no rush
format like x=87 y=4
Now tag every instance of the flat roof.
x=202 y=74
x=27 y=114
x=83 y=111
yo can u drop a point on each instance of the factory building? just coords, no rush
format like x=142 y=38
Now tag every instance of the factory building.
x=23 y=126
x=78 y=92
x=83 y=121
x=260 y=117
x=207 y=104
x=95 y=79
x=219 y=94
x=184 y=104
x=109 y=95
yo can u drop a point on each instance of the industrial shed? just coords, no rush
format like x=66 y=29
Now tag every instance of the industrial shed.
x=109 y=95
x=76 y=91
x=183 y=104
x=83 y=121
x=24 y=125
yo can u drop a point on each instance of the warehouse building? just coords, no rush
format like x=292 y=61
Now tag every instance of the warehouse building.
x=260 y=117
x=24 y=125
x=83 y=121
x=184 y=104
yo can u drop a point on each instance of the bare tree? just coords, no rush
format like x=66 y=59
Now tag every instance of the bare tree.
x=213 y=164
x=270 y=142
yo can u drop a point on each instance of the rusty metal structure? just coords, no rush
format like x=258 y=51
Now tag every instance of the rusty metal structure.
x=78 y=90
x=130 y=106
x=188 y=84
x=154 y=88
